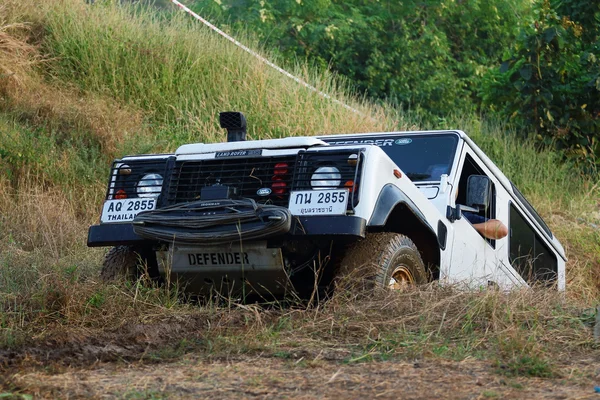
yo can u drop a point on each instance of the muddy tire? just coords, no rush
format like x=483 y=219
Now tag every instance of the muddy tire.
x=121 y=262
x=381 y=261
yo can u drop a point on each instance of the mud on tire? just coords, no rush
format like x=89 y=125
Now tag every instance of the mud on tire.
x=121 y=262
x=375 y=261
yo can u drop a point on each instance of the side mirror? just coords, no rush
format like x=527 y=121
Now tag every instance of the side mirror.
x=479 y=191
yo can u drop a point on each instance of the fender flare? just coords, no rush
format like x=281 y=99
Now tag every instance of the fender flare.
x=387 y=201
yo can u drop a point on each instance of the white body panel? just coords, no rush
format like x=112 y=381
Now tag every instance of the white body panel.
x=468 y=257
x=474 y=260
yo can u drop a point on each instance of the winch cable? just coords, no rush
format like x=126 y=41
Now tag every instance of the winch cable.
x=264 y=60
x=179 y=224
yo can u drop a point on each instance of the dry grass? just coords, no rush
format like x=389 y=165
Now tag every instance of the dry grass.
x=581 y=240
x=62 y=138
x=297 y=377
x=16 y=56
x=117 y=322
x=45 y=219
x=76 y=115
x=26 y=95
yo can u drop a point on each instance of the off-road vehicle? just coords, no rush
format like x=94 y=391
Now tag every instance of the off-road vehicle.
x=266 y=216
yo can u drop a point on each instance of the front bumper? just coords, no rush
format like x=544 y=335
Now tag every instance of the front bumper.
x=319 y=226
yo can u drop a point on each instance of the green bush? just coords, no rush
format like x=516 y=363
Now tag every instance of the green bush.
x=551 y=82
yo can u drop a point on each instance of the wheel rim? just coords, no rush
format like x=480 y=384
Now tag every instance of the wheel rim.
x=401 y=277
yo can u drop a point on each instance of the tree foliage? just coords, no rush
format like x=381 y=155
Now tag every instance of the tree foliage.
x=427 y=54
x=551 y=81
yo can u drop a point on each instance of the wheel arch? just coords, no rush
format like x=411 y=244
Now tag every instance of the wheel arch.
x=396 y=212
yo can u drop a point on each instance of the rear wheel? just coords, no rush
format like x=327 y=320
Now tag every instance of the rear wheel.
x=387 y=260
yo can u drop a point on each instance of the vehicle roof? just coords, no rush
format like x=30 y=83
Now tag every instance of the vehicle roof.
x=395 y=133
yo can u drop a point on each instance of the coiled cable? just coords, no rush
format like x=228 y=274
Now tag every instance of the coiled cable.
x=212 y=222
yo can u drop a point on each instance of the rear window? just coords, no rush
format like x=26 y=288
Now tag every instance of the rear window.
x=528 y=254
x=531 y=210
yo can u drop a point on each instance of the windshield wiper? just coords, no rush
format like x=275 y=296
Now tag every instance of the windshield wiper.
x=417 y=175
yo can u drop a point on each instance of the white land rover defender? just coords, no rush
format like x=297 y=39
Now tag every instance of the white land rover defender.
x=266 y=216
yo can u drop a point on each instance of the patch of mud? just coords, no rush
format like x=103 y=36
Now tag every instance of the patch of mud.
x=80 y=348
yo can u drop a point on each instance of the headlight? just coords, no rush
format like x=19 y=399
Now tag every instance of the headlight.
x=326 y=177
x=150 y=185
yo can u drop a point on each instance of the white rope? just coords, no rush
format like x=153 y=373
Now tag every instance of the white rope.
x=261 y=58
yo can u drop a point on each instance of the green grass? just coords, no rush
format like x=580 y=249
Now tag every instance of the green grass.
x=528 y=366
x=148 y=394
x=68 y=162
x=183 y=74
x=15 y=396
x=490 y=394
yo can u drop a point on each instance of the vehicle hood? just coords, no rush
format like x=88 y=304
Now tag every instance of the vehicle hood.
x=285 y=143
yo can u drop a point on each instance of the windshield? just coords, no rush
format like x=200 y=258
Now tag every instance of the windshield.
x=421 y=157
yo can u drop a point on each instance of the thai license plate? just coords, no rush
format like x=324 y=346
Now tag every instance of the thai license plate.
x=125 y=210
x=319 y=202
x=226 y=258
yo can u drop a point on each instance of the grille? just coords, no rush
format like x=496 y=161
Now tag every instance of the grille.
x=247 y=176
x=126 y=175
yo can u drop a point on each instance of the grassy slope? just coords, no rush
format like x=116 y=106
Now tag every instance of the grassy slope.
x=80 y=85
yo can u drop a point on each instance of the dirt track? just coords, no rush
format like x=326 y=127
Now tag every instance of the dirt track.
x=171 y=358
x=268 y=377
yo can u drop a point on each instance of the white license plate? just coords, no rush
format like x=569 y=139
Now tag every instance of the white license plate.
x=125 y=209
x=319 y=202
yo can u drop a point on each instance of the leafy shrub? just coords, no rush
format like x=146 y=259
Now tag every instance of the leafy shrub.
x=551 y=81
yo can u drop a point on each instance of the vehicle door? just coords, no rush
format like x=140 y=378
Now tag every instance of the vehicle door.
x=474 y=259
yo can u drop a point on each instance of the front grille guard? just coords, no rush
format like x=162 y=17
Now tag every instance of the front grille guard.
x=252 y=173
x=271 y=176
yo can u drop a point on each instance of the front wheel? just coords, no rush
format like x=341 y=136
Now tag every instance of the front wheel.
x=127 y=262
x=387 y=260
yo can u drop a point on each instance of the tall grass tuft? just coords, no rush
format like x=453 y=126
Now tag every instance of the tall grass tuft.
x=183 y=74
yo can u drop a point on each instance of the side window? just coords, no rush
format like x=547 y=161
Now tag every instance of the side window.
x=528 y=254
x=470 y=167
